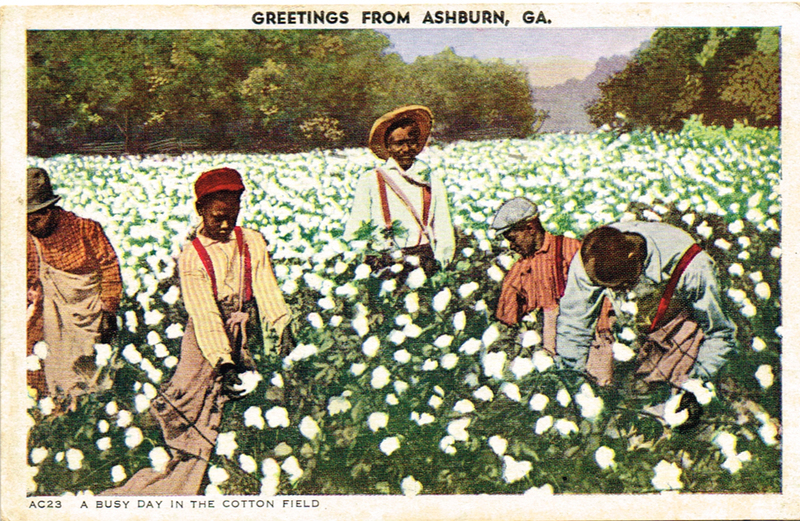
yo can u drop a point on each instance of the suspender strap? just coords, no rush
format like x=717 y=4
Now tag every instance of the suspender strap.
x=244 y=251
x=206 y=260
x=387 y=216
x=426 y=204
x=560 y=283
x=687 y=257
x=402 y=196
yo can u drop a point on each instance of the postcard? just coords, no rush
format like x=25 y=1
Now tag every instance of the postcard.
x=399 y=261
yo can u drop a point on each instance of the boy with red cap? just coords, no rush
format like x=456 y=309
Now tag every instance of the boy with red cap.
x=223 y=270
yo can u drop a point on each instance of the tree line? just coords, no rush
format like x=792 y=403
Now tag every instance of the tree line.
x=252 y=91
x=724 y=74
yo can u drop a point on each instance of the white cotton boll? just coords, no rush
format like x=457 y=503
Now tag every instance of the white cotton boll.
x=247 y=463
x=484 y=393
x=758 y=344
x=764 y=376
x=389 y=445
x=531 y=338
x=402 y=356
x=253 y=418
x=402 y=320
x=748 y=309
x=443 y=341
x=226 y=444
x=277 y=380
x=141 y=403
x=217 y=475
x=170 y=362
x=380 y=377
x=468 y=252
x=133 y=437
x=358 y=369
x=410 y=486
x=745 y=255
x=622 y=352
x=277 y=417
x=521 y=367
x=490 y=336
x=171 y=296
x=416 y=278
x=736 y=269
x=704 y=230
x=470 y=347
x=435 y=401
x=544 y=490
x=458 y=429
x=38 y=455
x=471 y=379
x=391 y=399
x=493 y=364
x=338 y=404
x=441 y=300
x=481 y=305
x=40 y=350
x=309 y=428
x=459 y=321
x=397 y=337
x=388 y=286
x=336 y=320
x=703 y=392
x=667 y=476
x=449 y=361
x=563 y=397
x=347 y=290
x=726 y=443
x=756 y=277
x=465 y=290
x=377 y=421
x=103 y=444
x=326 y=303
x=289 y=287
x=130 y=354
x=591 y=405
x=32 y=363
x=371 y=346
x=131 y=321
x=672 y=416
x=412 y=302
x=538 y=402
x=315 y=320
x=301 y=352
x=153 y=338
x=111 y=408
x=511 y=391
x=118 y=473
x=362 y=272
x=744 y=242
x=736 y=227
x=400 y=387
x=159 y=458
x=565 y=427
x=430 y=365
x=464 y=407
x=514 y=470
x=775 y=252
x=361 y=325
x=153 y=317
x=124 y=418
x=688 y=218
x=412 y=331
x=542 y=361
x=768 y=433
x=498 y=444
x=212 y=490
x=161 y=351
x=604 y=456
x=174 y=331
x=495 y=273
x=627 y=334
x=446 y=445
x=762 y=291
x=722 y=244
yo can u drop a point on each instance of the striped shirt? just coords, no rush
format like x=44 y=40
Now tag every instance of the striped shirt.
x=79 y=246
x=198 y=295
x=531 y=282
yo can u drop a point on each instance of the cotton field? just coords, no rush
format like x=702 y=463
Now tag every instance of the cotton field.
x=410 y=386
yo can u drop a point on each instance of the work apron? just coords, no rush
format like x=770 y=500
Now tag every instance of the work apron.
x=72 y=313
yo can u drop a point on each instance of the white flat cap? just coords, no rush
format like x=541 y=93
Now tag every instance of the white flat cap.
x=512 y=212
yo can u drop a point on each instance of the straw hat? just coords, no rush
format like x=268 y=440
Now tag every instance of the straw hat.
x=377 y=136
x=40 y=191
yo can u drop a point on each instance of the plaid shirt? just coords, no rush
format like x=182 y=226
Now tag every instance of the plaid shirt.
x=531 y=283
x=79 y=246
x=198 y=294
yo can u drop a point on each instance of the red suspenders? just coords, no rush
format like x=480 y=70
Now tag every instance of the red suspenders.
x=687 y=257
x=387 y=216
x=244 y=251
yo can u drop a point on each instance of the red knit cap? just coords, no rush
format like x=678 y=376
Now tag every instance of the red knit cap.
x=218 y=180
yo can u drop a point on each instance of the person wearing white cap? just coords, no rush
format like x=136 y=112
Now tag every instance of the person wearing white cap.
x=538 y=279
x=404 y=189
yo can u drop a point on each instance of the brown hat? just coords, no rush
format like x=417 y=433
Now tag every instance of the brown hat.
x=377 y=136
x=40 y=191
x=218 y=180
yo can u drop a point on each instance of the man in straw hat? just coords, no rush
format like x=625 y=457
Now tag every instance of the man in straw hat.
x=538 y=279
x=231 y=295
x=405 y=189
x=678 y=314
x=74 y=291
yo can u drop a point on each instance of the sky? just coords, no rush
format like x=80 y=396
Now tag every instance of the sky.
x=557 y=54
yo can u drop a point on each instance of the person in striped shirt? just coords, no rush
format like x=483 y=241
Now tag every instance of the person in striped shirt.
x=231 y=295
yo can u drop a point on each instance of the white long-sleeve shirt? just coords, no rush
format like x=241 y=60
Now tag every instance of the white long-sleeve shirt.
x=366 y=207
x=697 y=289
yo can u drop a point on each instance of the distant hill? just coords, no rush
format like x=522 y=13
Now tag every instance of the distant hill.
x=566 y=101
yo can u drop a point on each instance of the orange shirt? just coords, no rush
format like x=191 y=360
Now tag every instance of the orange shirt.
x=531 y=282
x=81 y=247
